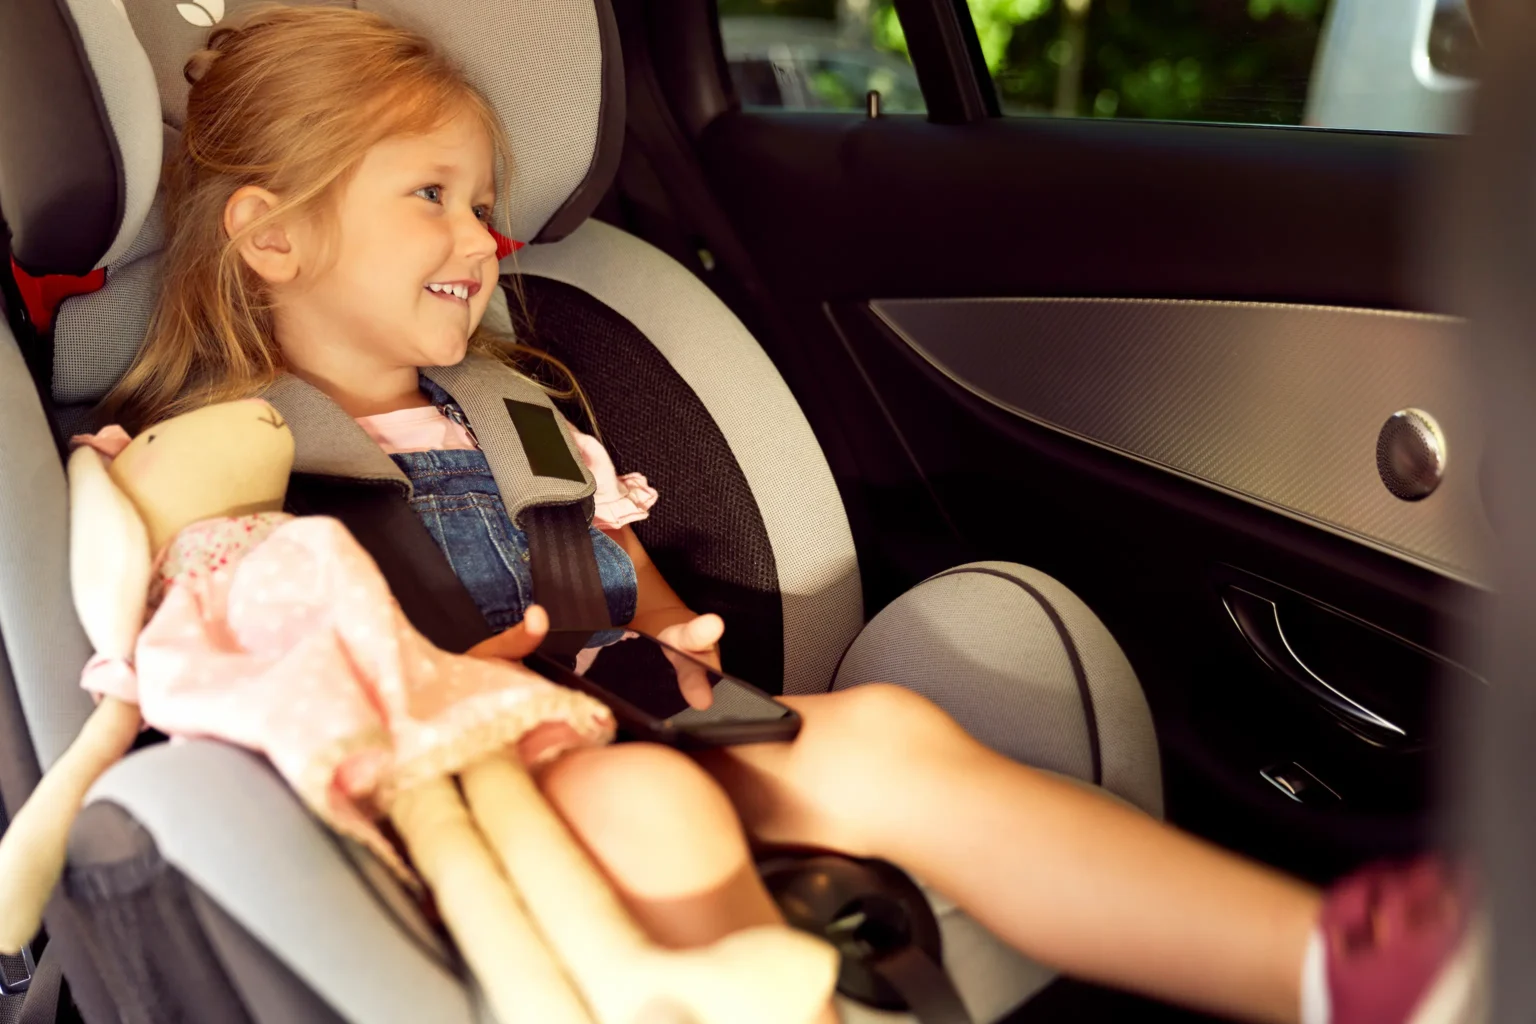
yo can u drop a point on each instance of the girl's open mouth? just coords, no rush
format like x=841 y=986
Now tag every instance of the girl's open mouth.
x=455 y=291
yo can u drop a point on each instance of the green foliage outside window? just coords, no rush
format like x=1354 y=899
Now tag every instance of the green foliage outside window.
x=1207 y=60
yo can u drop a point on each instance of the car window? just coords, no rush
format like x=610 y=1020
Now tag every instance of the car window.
x=818 y=54
x=1387 y=65
x=1393 y=65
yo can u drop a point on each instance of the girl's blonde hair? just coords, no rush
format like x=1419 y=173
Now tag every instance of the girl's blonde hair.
x=290 y=99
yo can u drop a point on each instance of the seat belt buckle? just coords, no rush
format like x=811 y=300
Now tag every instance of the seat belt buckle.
x=16 y=971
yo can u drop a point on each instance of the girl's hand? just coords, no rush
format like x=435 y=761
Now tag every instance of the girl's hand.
x=697 y=636
x=662 y=614
x=512 y=645
x=518 y=642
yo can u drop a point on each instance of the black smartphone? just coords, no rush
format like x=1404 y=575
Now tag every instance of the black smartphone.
x=638 y=677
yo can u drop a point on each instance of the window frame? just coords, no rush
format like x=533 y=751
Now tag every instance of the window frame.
x=946 y=55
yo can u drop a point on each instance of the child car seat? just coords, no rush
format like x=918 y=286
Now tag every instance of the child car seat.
x=198 y=888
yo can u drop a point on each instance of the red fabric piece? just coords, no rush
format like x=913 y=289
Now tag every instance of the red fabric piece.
x=1389 y=929
x=42 y=295
x=504 y=245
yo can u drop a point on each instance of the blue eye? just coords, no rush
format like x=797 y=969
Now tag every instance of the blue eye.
x=483 y=213
x=436 y=191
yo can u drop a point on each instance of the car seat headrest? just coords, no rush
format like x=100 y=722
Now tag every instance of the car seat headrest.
x=87 y=88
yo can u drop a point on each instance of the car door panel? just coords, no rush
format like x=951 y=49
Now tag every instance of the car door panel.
x=1282 y=405
x=1155 y=554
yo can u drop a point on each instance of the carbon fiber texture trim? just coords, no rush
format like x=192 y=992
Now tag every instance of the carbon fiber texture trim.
x=1277 y=404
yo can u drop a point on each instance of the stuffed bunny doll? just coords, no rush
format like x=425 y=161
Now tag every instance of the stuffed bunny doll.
x=214 y=613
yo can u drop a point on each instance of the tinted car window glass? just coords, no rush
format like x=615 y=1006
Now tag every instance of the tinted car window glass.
x=1393 y=65
x=818 y=54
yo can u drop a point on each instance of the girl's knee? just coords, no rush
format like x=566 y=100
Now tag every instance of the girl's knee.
x=667 y=838
x=895 y=719
x=865 y=750
x=650 y=814
x=629 y=779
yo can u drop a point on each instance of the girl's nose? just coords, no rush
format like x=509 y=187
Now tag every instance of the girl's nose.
x=477 y=242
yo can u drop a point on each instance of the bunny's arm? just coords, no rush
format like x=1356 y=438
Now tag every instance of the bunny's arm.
x=109 y=557
x=109 y=572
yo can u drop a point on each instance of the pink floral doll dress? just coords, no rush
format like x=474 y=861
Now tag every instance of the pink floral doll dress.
x=279 y=634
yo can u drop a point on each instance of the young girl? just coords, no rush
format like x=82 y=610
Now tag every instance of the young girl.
x=327 y=225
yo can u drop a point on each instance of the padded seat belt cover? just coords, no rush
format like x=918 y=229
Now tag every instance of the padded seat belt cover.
x=547 y=489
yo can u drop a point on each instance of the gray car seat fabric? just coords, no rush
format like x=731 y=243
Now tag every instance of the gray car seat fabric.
x=227 y=822
x=1026 y=667
x=43 y=639
x=540 y=62
x=1019 y=661
x=802 y=513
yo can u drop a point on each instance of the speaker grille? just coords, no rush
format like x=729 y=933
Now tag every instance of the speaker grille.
x=1410 y=454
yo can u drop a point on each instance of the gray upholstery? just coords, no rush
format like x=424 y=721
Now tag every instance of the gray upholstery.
x=126 y=84
x=96 y=336
x=229 y=823
x=713 y=353
x=43 y=639
x=986 y=650
x=538 y=61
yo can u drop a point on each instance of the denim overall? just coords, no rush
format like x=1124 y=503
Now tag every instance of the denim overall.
x=456 y=498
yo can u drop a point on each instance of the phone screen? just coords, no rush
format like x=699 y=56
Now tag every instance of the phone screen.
x=638 y=670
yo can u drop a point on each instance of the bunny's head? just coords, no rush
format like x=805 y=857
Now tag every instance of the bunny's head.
x=222 y=460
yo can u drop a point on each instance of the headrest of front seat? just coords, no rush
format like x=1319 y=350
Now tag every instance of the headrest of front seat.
x=88 y=88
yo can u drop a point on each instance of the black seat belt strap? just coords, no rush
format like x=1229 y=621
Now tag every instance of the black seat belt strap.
x=563 y=564
x=41 y=1003
x=383 y=522
x=928 y=991
x=561 y=559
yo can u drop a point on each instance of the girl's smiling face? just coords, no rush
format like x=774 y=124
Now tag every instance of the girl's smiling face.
x=402 y=274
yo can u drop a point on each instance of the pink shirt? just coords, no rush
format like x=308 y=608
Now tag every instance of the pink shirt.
x=617 y=501
x=415 y=430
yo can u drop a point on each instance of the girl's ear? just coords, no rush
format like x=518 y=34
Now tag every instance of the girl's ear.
x=269 y=251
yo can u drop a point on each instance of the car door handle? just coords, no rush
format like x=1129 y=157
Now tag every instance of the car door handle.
x=1258 y=619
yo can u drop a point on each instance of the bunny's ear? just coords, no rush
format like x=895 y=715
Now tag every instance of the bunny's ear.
x=109 y=556
x=110 y=441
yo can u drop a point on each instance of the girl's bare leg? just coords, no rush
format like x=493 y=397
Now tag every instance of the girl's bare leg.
x=658 y=827
x=667 y=838
x=1069 y=877
x=666 y=835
